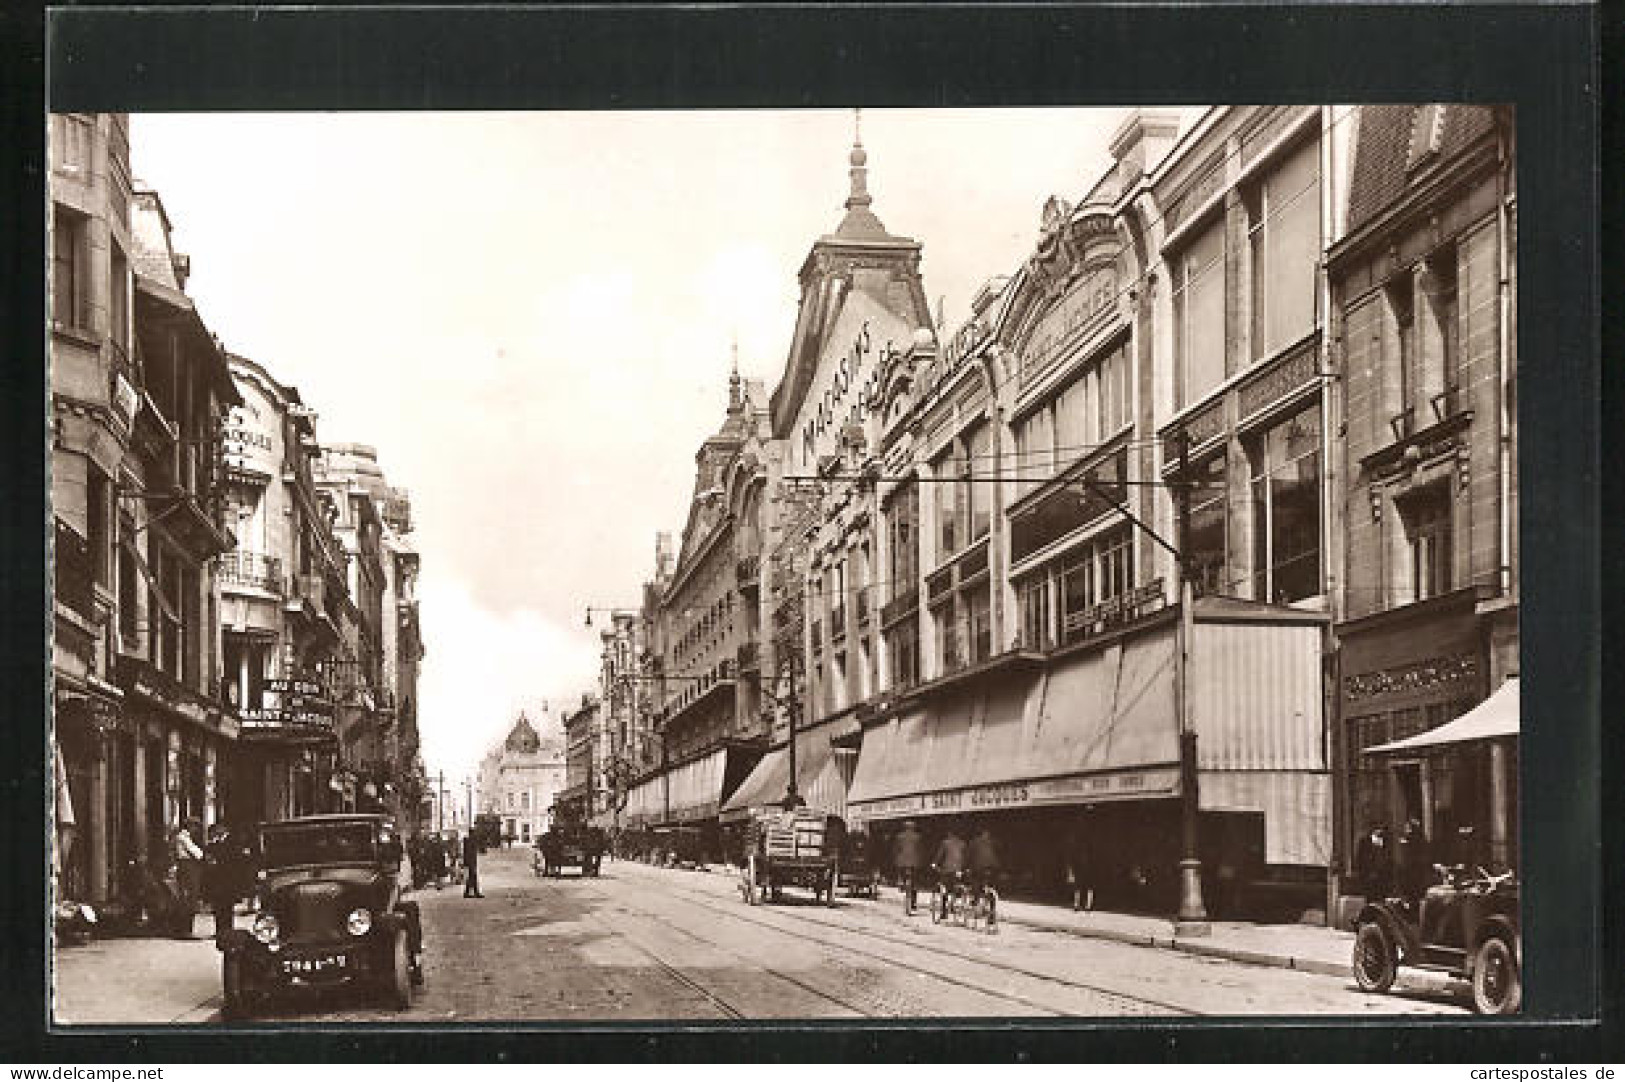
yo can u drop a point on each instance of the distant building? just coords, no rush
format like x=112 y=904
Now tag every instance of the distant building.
x=519 y=780
x=576 y=799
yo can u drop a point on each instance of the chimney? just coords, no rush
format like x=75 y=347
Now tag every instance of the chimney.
x=1141 y=141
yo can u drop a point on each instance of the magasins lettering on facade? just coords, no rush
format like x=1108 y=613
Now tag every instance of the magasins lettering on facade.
x=854 y=366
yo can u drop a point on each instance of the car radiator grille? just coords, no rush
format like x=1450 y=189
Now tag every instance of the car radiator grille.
x=314 y=910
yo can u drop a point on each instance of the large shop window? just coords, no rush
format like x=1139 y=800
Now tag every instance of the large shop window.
x=1429 y=540
x=902 y=540
x=903 y=651
x=1037 y=626
x=1208 y=552
x=1286 y=509
x=1097 y=572
x=1283 y=212
x=960 y=611
x=982 y=469
x=1089 y=410
x=945 y=470
x=1199 y=314
x=1071 y=506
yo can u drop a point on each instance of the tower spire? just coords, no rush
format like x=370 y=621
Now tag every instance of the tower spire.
x=735 y=402
x=859 y=159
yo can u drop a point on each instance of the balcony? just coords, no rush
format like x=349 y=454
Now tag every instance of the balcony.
x=749 y=662
x=749 y=573
x=861 y=608
x=252 y=569
x=837 y=623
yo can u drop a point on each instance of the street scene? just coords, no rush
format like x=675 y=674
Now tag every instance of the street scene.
x=896 y=563
x=666 y=944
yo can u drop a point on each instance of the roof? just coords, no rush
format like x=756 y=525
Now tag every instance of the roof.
x=1495 y=718
x=1383 y=159
x=332 y=817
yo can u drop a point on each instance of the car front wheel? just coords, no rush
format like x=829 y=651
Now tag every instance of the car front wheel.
x=1497 y=985
x=1375 y=960
x=399 y=987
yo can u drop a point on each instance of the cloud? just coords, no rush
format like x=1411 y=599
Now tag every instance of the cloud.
x=483 y=667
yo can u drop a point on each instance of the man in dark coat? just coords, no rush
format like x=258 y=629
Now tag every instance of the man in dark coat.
x=1374 y=863
x=471 y=861
x=221 y=875
x=908 y=853
x=1413 y=863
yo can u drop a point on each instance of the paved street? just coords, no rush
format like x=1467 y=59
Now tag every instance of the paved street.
x=647 y=943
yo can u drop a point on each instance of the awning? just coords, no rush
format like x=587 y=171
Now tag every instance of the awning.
x=822 y=776
x=645 y=803
x=1099 y=727
x=1494 y=718
x=696 y=788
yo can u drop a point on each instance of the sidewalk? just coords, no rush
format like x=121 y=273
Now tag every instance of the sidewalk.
x=138 y=981
x=1308 y=947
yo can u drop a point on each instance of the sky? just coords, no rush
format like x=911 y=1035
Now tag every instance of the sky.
x=531 y=317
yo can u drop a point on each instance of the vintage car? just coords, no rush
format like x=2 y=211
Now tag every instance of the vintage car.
x=1467 y=926
x=330 y=914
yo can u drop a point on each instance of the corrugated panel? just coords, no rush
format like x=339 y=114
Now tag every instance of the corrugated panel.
x=1256 y=697
x=1296 y=806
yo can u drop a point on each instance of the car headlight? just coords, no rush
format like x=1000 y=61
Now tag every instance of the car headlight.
x=359 y=922
x=266 y=928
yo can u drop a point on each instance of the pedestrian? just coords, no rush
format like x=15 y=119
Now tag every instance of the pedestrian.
x=908 y=853
x=188 y=875
x=982 y=856
x=471 y=861
x=1413 y=866
x=220 y=879
x=1374 y=862
x=1079 y=870
x=949 y=864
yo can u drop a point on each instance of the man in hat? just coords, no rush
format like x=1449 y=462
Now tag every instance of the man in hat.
x=471 y=861
x=908 y=853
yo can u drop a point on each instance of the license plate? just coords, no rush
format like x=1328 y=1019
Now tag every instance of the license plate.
x=306 y=967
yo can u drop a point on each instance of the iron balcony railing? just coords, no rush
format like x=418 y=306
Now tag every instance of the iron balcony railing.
x=252 y=569
x=748 y=571
x=749 y=662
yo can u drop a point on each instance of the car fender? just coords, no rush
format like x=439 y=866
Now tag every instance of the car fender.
x=1498 y=925
x=1398 y=928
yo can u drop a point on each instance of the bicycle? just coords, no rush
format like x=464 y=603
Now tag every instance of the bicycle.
x=948 y=897
x=981 y=908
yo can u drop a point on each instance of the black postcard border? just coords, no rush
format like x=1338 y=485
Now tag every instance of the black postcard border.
x=1542 y=58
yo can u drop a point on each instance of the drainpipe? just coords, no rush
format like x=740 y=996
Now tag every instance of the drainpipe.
x=1504 y=343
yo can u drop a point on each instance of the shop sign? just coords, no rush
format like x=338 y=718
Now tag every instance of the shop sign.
x=1430 y=676
x=852 y=391
x=1295 y=371
x=1085 y=787
x=897 y=805
x=1068 y=320
x=296 y=686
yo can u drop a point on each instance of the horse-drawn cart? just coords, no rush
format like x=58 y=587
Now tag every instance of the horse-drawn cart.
x=791 y=849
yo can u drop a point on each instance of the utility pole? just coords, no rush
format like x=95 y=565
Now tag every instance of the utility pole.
x=1192 y=917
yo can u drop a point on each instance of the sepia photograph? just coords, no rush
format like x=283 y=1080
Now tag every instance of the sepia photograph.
x=716 y=565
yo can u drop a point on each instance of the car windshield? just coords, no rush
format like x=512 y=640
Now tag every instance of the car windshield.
x=323 y=843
